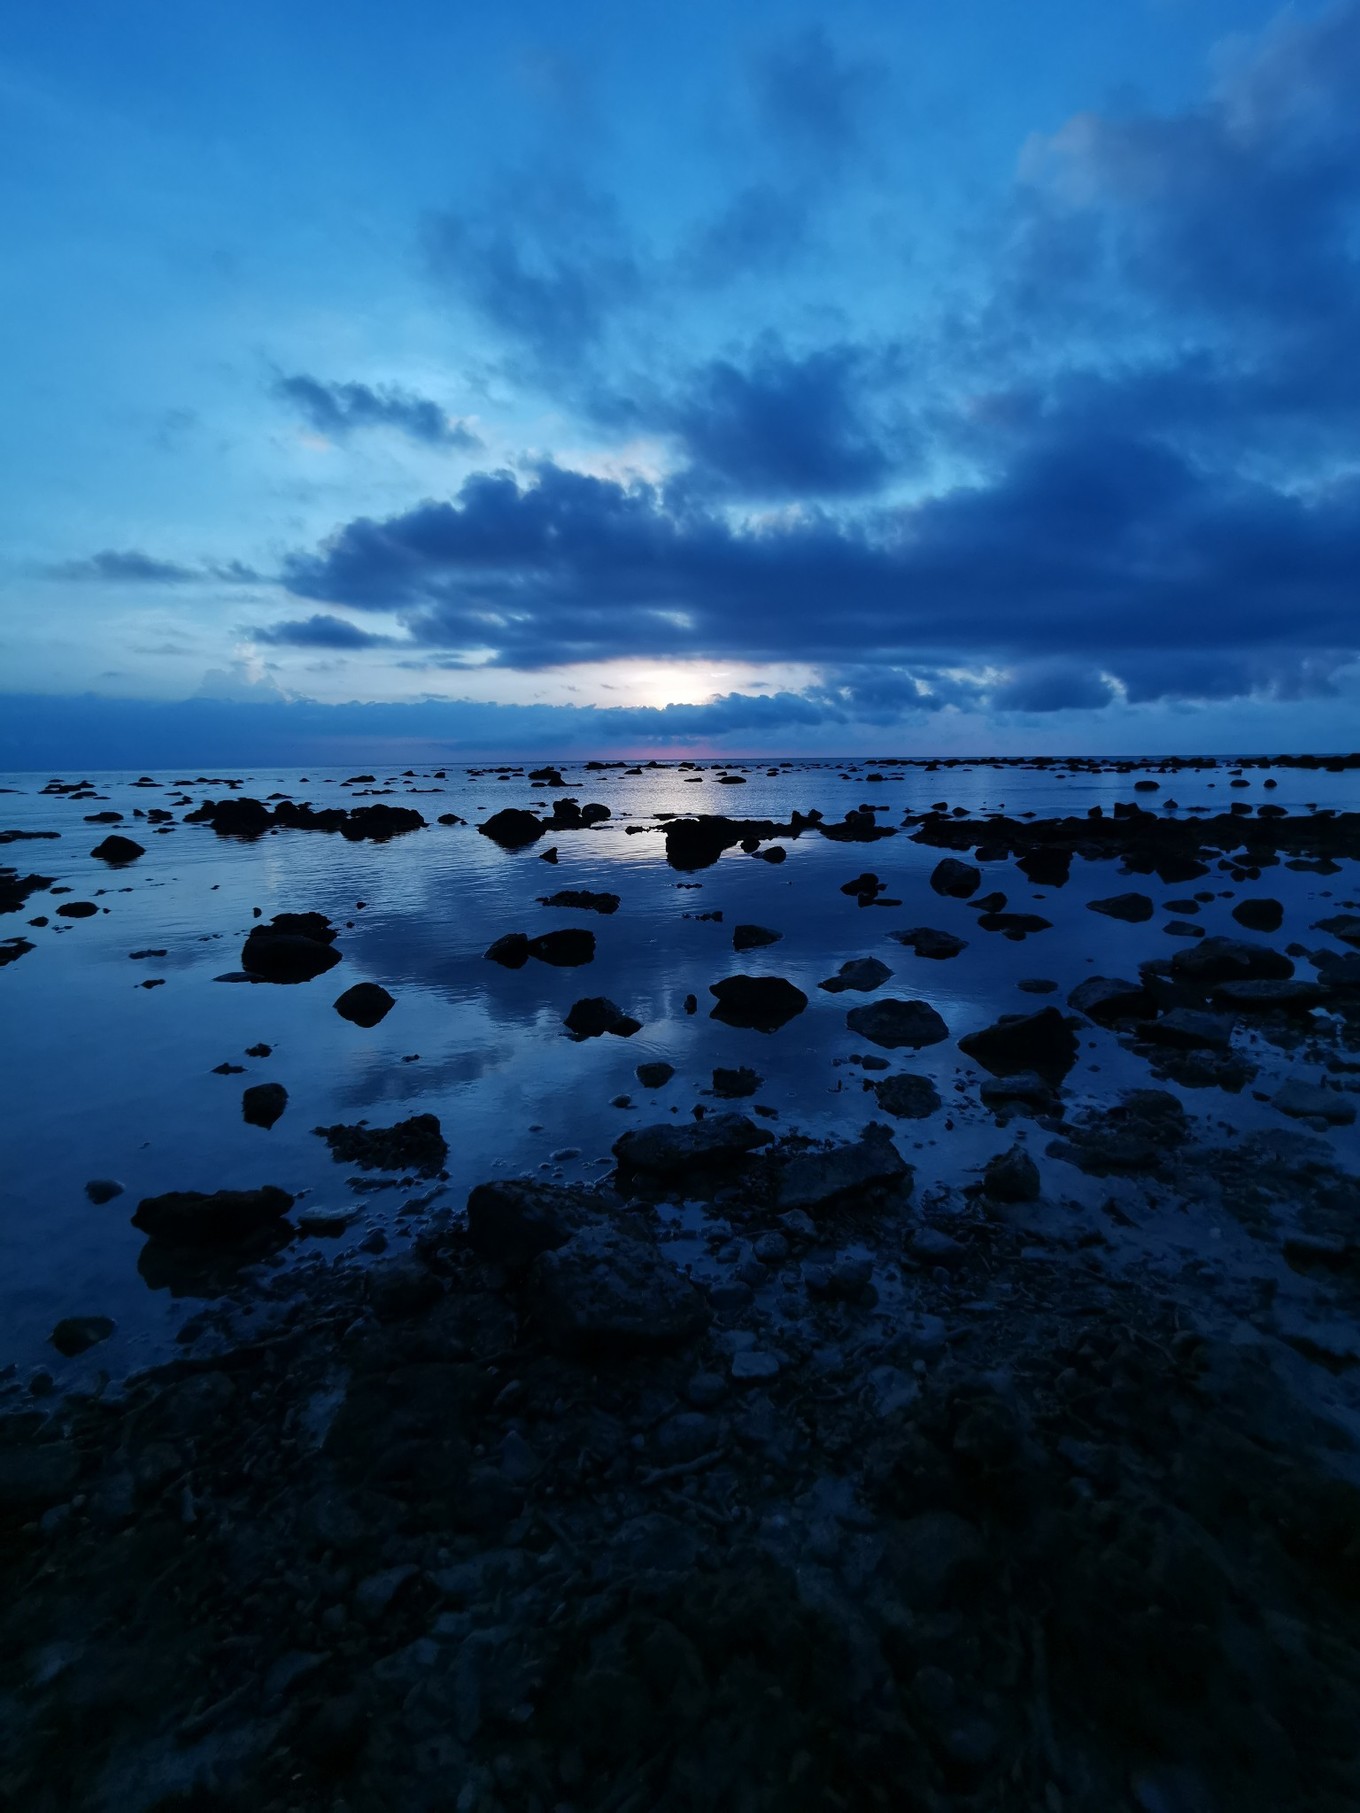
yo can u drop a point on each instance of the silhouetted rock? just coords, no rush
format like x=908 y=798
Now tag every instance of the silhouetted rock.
x=1132 y=908
x=594 y=1015
x=813 y=1181
x=764 y=1003
x=927 y=942
x=117 y=850
x=365 y=1004
x=189 y=1218
x=956 y=879
x=263 y=1103
x=76 y=1334
x=736 y=1083
x=907 y=1097
x=1106 y=999
x=513 y=828
x=293 y=947
x=654 y=1076
x=581 y=898
x=668 y=1149
x=103 y=1189
x=1042 y=1042
x=1011 y=1177
x=860 y=974
x=752 y=937
x=1263 y=915
x=893 y=1023
x=1229 y=960
x=416 y=1144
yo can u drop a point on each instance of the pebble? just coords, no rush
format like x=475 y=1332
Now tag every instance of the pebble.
x=754 y=1364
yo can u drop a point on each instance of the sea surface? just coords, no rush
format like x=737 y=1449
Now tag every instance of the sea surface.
x=101 y=1077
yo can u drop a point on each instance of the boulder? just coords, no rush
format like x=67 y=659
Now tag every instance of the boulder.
x=513 y=828
x=510 y=1223
x=565 y=949
x=594 y=1015
x=667 y=1150
x=763 y=1003
x=365 y=1004
x=1271 y=995
x=1312 y=1101
x=1345 y=926
x=1011 y=1177
x=956 y=879
x=1187 y=1029
x=416 y=1144
x=815 y=1180
x=1229 y=960
x=1024 y=1089
x=860 y=974
x=752 y=937
x=1042 y=1042
x=191 y=1218
x=1132 y=908
x=907 y=1097
x=606 y=1294
x=893 y=1024
x=511 y=950
x=927 y=942
x=263 y=1103
x=1261 y=915
x=654 y=1076
x=293 y=947
x=75 y=1334
x=1106 y=999
x=117 y=850
x=736 y=1083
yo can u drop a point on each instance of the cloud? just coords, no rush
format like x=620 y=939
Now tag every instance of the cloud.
x=319 y=631
x=812 y=96
x=1053 y=686
x=338 y=410
x=131 y=566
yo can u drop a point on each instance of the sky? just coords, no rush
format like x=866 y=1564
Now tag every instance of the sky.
x=654 y=380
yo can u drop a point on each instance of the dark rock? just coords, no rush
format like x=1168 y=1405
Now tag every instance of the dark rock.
x=1106 y=999
x=927 y=942
x=736 y=1083
x=365 y=1004
x=1345 y=926
x=752 y=937
x=1186 y=1029
x=510 y=1223
x=401 y=1287
x=1011 y=1177
x=118 y=850
x=1132 y=908
x=1312 y=1101
x=77 y=909
x=764 y=1003
x=513 y=828
x=74 y=1334
x=956 y=879
x=1272 y=995
x=1141 y=1132
x=263 y=1103
x=1024 y=1088
x=606 y=1294
x=907 y=1097
x=1046 y=868
x=667 y=1150
x=565 y=949
x=11 y=949
x=190 y=1218
x=511 y=950
x=1042 y=1042
x=860 y=974
x=416 y=1144
x=594 y=1015
x=293 y=947
x=815 y=1180
x=893 y=1023
x=1229 y=960
x=583 y=899
x=1014 y=925
x=1262 y=915
x=654 y=1076
x=103 y=1189
x=36 y=1475
x=1037 y=985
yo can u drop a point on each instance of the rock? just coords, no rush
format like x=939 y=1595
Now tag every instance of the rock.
x=1037 y=985
x=752 y=937
x=1026 y=1087
x=567 y=948
x=511 y=950
x=117 y=850
x=705 y=1390
x=263 y=1103
x=1260 y=915
x=1106 y=999
x=401 y=1287
x=36 y=1475
x=772 y=853
x=933 y=1556
x=1229 y=960
x=1015 y=926
x=860 y=974
x=293 y=947
x=1186 y=1029
x=103 y=1189
x=1042 y=1042
x=191 y=1218
x=667 y=1149
x=893 y=1023
x=927 y=942
x=375 y=1593
x=763 y=1003
x=1142 y=1132
x=73 y=1334
x=77 y=909
x=365 y=1004
x=956 y=879
x=510 y=1223
x=416 y=1144
x=513 y=828
x=1272 y=996
x=1012 y=1177
x=735 y=1083
x=654 y=1076
x=594 y=1015
x=907 y=1097
x=605 y=1294
x=11 y=949
x=814 y=1180
x=583 y=899
x=1345 y=926
x=1312 y=1101
x=1132 y=908
x=1046 y=868
x=751 y=1365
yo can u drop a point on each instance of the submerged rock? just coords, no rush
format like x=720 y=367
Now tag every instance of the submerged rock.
x=582 y=898
x=1312 y=1101
x=736 y=1083
x=191 y=1218
x=654 y=1076
x=893 y=1024
x=76 y=1334
x=1263 y=915
x=763 y=1003
x=860 y=974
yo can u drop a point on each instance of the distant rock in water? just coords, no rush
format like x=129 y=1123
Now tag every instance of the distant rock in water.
x=189 y=1218
x=582 y=899
x=565 y=949
x=669 y=1149
x=956 y=879
x=1132 y=908
x=654 y=1076
x=594 y=1015
x=103 y=1189
x=753 y=937
x=858 y=973
x=1263 y=915
x=763 y=1003
x=1109 y=999
x=263 y=1103
x=893 y=1024
x=927 y=942
x=117 y=850
x=11 y=949
x=734 y=1084
x=248 y=818
x=1043 y=1042
x=365 y=1004
x=293 y=947
x=416 y=1144
x=1230 y=960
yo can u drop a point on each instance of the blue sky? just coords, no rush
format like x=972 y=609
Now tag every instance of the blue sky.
x=647 y=377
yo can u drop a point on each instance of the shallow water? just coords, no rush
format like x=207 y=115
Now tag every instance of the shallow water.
x=104 y=1078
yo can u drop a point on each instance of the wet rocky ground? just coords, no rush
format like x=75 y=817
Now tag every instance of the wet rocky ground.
x=768 y=1471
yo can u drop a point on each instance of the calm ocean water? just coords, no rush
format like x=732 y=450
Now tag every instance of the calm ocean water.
x=105 y=1078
